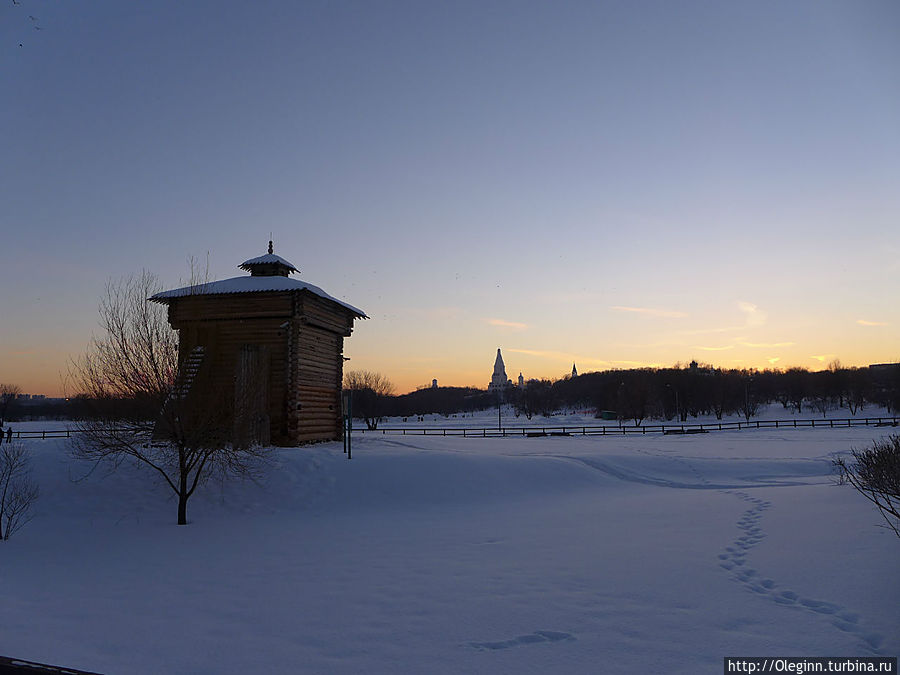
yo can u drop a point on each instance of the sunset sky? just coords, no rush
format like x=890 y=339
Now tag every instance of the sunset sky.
x=611 y=183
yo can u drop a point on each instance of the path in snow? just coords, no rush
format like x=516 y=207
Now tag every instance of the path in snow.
x=734 y=559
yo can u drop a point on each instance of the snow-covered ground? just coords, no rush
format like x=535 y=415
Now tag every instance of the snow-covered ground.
x=452 y=555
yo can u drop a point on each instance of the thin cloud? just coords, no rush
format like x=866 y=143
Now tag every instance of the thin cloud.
x=714 y=349
x=863 y=322
x=774 y=360
x=651 y=311
x=821 y=358
x=561 y=356
x=755 y=316
x=705 y=331
x=766 y=345
x=507 y=324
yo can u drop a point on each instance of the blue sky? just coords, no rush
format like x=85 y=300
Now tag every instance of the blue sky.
x=473 y=175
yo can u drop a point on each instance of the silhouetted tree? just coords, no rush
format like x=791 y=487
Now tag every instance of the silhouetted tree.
x=17 y=489
x=142 y=407
x=859 y=387
x=539 y=398
x=369 y=393
x=8 y=393
x=875 y=473
x=795 y=383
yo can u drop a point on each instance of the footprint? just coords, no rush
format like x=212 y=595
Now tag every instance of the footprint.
x=821 y=609
x=530 y=639
x=873 y=639
x=555 y=636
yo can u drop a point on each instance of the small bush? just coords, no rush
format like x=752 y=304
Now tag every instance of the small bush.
x=875 y=473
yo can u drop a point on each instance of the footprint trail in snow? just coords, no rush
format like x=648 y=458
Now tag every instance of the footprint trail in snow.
x=734 y=560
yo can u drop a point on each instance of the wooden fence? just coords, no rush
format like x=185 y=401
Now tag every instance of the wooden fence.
x=622 y=430
x=573 y=430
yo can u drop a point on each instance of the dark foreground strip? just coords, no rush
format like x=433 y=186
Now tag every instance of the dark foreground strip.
x=798 y=664
x=18 y=667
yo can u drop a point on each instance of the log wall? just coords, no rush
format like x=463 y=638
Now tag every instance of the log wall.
x=303 y=336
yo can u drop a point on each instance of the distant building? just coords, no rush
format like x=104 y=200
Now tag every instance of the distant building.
x=574 y=372
x=499 y=381
x=521 y=380
x=434 y=384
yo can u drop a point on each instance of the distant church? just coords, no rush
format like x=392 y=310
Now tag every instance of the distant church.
x=499 y=381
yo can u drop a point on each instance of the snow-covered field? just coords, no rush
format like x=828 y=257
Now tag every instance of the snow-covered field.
x=451 y=555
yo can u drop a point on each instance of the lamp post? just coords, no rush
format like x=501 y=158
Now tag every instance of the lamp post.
x=747 y=398
x=677 y=407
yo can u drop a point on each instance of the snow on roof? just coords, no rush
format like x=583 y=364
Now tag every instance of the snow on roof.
x=252 y=285
x=267 y=259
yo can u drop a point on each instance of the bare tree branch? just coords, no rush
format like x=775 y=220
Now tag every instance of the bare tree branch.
x=17 y=489
x=875 y=473
x=146 y=408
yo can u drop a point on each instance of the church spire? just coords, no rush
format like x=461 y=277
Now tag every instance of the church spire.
x=574 y=372
x=498 y=379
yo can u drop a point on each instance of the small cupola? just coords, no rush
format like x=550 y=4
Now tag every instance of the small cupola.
x=269 y=265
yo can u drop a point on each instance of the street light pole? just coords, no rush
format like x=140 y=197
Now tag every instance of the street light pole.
x=677 y=407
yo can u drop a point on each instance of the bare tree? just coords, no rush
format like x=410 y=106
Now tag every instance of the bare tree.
x=875 y=473
x=17 y=489
x=369 y=389
x=8 y=393
x=858 y=387
x=147 y=406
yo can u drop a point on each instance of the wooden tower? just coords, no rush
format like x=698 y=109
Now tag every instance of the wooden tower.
x=271 y=345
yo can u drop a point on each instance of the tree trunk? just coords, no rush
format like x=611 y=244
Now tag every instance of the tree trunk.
x=182 y=499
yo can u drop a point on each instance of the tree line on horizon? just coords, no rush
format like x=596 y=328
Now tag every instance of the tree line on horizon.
x=676 y=393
